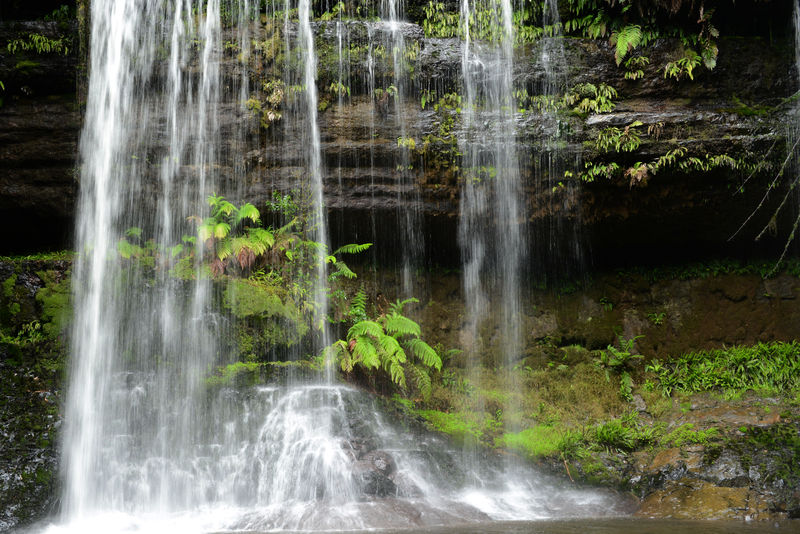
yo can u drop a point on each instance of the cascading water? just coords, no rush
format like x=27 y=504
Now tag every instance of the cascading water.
x=491 y=230
x=150 y=444
x=559 y=240
x=140 y=342
x=409 y=218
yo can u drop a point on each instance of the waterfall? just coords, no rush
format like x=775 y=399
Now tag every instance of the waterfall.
x=151 y=443
x=140 y=341
x=409 y=211
x=492 y=228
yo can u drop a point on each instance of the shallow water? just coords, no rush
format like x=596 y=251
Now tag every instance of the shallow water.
x=194 y=524
x=615 y=526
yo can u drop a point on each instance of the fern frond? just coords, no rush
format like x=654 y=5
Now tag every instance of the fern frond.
x=261 y=236
x=338 y=351
x=352 y=248
x=224 y=207
x=400 y=325
x=398 y=306
x=221 y=230
x=358 y=306
x=224 y=249
x=343 y=270
x=422 y=380
x=248 y=211
x=366 y=353
x=206 y=230
x=125 y=249
x=397 y=374
x=626 y=40
x=176 y=250
x=365 y=328
x=425 y=353
x=392 y=348
x=133 y=231
x=286 y=227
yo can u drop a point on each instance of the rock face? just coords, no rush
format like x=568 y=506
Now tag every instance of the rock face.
x=40 y=124
x=667 y=216
x=31 y=367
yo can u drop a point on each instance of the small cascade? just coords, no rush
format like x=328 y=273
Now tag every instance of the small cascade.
x=319 y=457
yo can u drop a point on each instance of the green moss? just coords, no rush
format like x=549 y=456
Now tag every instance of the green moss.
x=245 y=299
x=740 y=108
x=461 y=426
x=8 y=286
x=246 y=374
x=239 y=374
x=55 y=300
x=270 y=315
x=541 y=440
x=61 y=255
x=26 y=65
x=688 y=435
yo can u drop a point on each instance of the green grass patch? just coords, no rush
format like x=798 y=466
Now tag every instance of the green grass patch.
x=464 y=427
x=538 y=441
x=60 y=255
x=688 y=435
x=772 y=368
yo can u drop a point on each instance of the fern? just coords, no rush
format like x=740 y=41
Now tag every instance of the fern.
x=392 y=348
x=391 y=343
x=358 y=306
x=366 y=353
x=400 y=325
x=224 y=250
x=342 y=270
x=397 y=374
x=352 y=248
x=397 y=307
x=422 y=380
x=247 y=211
x=424 y=352
x=626 y=40
x=362 y=328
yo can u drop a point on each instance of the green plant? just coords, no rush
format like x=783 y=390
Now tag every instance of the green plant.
x=657 y=318
x=618 y=360
x=335 y=12
x=60 y=14
x=687 y=435
x=339 y=89
x=625 y=140
x=41 y=44
x=585 y=98
x=438 y=22
x=624 y=40
x=684 y=66
x=391 y=343
x=772 y=368
x=244 y=246
x=615 y=435
x=633 y=67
